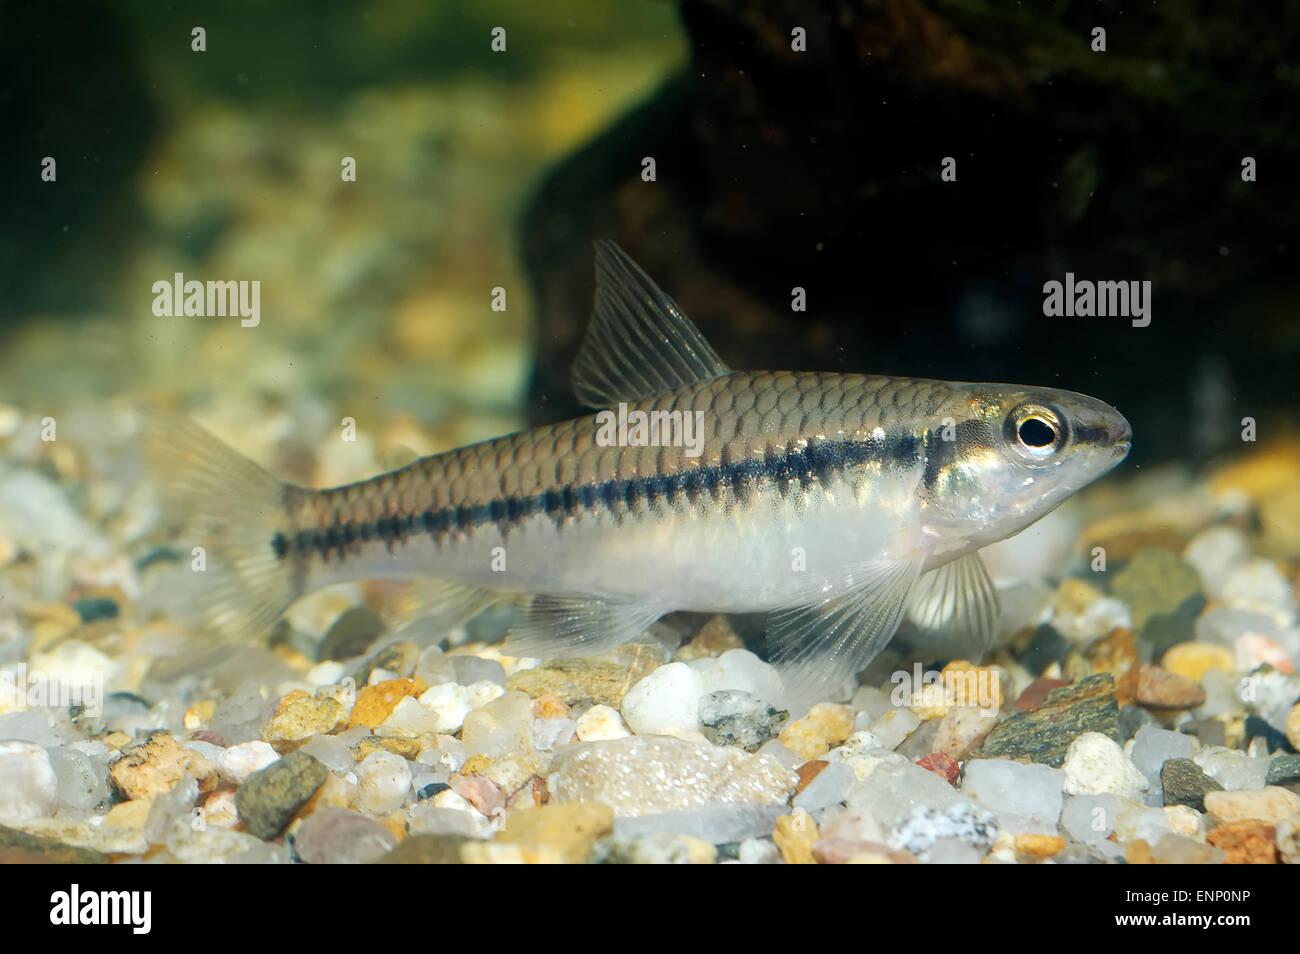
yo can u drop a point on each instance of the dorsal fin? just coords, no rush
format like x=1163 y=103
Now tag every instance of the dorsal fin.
x=639 y=342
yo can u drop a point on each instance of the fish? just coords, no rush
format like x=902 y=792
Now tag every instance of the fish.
x=843 y=505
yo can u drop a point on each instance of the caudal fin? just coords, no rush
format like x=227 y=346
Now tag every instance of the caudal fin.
x=233 y=510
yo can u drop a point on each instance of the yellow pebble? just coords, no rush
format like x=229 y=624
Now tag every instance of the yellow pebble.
x=1196 y=658
x=794 y=836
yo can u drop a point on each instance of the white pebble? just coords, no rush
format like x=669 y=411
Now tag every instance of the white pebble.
x=383 y=781
x=1096 y=765
x=28 y=786
x=666 y=701
x=240 y=761
x=600 y=723
x=1214 y=554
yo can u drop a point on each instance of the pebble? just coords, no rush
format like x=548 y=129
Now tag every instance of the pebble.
x=299 y=716
x=1283 y=770
x=566 y=832
x=1037 y=847
x=717 y=824
x=439 y=710
x=332 y=751
x=1258 y=586
x=268 y=799
x=666 y=701
x=376 y=702
x=29 y=787
x=1117 y=654
x=1090 y=819
x=1095 y=764
x=923 y=826
x=425 y=850
x=470 y=669
x=1183 y=782
x=1214 y=553
x=1271 y=695
x=794 y=836
x=600 y=723
x=758 y=851
x=1292 y=727
x=1153 y=747
x=830 y=786
x=714 y=638
x=737 y=717
x=741 y=670
x=1177 y=849
x=826 y=725
x=644 y=775
x=660 y=848
x=962 y=731
x=1024 y=797
x=482 y=793
x=1288 y=840
x=1160 y=689
x=154 y=766
x=1155 y=582
x=332 y=836
x=82 y=779
x=896 y=787
x=238 y=762
x=1246 y=842
x=1192 y=660
x=894 y=727
x=21 y=848
x=1044 y=734
x=1232 y=768
x=940 y=765
x=383 y=782
x=1270 y=804
x=595 y=679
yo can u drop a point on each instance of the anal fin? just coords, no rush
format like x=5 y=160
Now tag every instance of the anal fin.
x=572 y=626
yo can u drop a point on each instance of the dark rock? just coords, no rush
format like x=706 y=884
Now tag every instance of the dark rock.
x=728 y=850
x=269 y=798
x=1044 y=734
x=1284 y=770
x=735 y=717
x=1259 y=728
x=1208 y=731
x=19 y=848
x=1132 y=718
x=432 y=789
x=1047 y=647
x=351 y=634
x=95 y=609
x=1165 y=630
x=1184 y=783
x=1155 y=581
x=425 y=850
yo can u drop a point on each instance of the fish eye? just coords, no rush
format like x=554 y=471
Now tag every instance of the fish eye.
x=1036 y=431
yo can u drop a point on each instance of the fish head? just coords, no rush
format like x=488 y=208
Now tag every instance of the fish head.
x=1014 y=454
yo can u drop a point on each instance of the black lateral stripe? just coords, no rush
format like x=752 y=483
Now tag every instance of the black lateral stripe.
x=819 y=460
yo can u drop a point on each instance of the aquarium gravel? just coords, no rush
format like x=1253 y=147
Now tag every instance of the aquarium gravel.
x=1140 y=706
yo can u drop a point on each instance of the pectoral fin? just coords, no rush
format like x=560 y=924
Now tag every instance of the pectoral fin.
x=821 y=645
x=954 y=607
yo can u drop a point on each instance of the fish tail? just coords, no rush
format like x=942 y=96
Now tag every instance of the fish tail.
x=235 y=517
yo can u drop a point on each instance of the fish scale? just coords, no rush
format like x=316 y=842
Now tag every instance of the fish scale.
x=846 y=504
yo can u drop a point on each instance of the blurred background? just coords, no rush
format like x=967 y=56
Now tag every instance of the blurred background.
x=775 y=168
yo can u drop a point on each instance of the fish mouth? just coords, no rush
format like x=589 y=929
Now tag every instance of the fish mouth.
x=1120 y=450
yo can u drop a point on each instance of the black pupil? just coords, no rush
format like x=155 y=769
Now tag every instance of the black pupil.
x=1036 y=432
